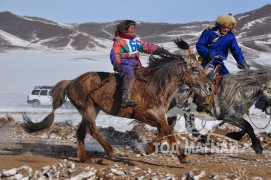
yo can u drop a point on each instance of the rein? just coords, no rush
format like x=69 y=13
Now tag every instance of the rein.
x=257 y=126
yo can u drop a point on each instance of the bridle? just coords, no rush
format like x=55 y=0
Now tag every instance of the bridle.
x=192 y=63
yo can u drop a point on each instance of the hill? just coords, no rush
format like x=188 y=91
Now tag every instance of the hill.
x=34 y=33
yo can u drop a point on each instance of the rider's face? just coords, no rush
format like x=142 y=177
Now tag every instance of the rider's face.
x=131 y=30
x=224 y=30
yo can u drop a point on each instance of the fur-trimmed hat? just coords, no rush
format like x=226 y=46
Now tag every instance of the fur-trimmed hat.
x=123 y=26
x=226 y=20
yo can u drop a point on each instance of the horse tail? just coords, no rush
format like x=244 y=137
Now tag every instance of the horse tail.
x=58 y=94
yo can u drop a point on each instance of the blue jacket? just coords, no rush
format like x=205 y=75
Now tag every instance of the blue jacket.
x=211 y=44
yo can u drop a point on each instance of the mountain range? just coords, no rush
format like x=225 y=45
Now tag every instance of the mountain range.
x=33 y=33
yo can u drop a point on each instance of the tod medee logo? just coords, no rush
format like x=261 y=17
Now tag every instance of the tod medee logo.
x=218 y=144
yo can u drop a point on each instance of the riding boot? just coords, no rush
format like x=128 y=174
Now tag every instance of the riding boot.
x=126 y=95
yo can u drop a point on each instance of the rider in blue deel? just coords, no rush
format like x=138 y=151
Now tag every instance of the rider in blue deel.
x=214 y=44
x=213 y=47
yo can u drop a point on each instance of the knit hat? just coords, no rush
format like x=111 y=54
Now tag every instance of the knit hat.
x=226 y=20
x=123 y=26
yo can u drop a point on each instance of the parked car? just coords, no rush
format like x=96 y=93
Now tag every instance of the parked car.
x=264 y=105
x=41 y=96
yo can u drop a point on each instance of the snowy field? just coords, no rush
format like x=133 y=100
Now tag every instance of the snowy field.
x=21 y=71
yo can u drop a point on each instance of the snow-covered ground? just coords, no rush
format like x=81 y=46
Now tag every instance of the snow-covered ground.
x=20 y=71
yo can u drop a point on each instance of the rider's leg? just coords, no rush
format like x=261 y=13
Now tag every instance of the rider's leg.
x=128 y=79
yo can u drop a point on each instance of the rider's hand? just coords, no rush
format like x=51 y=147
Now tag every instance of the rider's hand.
x=216 y=57
x=116 y=67
x=243 y=66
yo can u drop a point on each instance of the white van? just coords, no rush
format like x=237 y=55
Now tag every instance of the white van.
x=41 y=96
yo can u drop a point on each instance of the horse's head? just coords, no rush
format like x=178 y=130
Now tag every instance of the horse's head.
x=259 y=74
x=195 y=76
x=267 y=90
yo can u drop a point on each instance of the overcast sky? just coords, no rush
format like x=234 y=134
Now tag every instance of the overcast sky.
x=169 y=11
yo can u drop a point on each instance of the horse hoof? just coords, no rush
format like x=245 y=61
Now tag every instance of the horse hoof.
x=258 y=149
x=118 y=156
x=91 y=160
x=149 y=149
x=83 y=159
x=186 y=160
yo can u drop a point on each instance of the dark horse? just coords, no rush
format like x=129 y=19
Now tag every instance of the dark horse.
x=238 y=92
x=152 y=91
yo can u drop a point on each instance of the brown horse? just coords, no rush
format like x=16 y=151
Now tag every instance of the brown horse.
x=153 y=89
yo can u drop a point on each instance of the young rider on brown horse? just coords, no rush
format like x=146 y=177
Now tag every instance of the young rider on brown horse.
x=125 y=57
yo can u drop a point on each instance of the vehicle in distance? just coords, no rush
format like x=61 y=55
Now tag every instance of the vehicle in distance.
x=41 y=96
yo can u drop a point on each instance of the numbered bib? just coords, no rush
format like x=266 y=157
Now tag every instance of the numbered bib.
x=133 y=45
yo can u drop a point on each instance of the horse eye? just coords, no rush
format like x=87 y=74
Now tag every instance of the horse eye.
x=196 y=70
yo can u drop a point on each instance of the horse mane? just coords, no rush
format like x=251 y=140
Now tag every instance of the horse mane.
x=160 y=69
x=235 y=82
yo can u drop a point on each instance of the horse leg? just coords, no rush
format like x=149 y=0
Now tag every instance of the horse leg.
x=88 y=125
x=247 y=128
x=110 y=151
x=164 y=132
x=81 y=134
x=236 y=135
x=183 y=158
x=154 y=144
x=90 y=116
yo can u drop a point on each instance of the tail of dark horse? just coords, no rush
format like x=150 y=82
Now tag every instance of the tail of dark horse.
x=58 y=98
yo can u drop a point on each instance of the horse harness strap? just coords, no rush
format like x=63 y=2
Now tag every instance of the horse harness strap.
x=102 y=83
x=184 y=71
x=217 y=79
